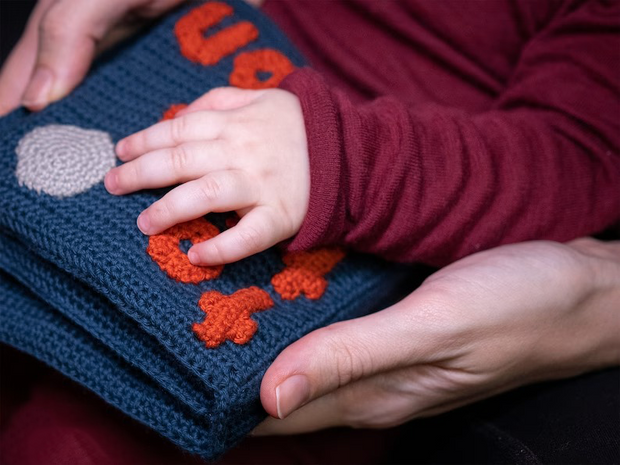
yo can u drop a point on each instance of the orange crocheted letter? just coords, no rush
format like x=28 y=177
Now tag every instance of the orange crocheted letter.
x=228 y=316
x=164 y=250
x=305 y=273
x=248 y=64
x=195 y=46
x=173 y=110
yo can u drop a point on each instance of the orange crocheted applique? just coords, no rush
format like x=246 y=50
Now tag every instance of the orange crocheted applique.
x=172 y=111
x=248 y=64
x=165 y=250
x=305 y=273
x=228 y=316
x=196 y=47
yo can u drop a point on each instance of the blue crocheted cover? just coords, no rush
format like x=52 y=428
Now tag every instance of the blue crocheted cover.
x=80 y=292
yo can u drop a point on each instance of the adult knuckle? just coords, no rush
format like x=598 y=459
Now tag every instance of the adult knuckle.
x=444 y=313
x=352 y=359
x=53 y=26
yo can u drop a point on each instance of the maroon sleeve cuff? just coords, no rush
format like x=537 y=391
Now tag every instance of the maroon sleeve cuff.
x=325 y=218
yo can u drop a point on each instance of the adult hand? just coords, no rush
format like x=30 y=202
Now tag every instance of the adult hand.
x=60 y=42
x=489 y=323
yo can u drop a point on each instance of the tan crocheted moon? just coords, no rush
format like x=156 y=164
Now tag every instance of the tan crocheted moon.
x=63 y=160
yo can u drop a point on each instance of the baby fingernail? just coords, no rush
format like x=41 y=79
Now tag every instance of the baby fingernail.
x=193 y=256
x=37 y=94
x=292 y=394
x=120 y=148
x=143 y=223
x=110 y=182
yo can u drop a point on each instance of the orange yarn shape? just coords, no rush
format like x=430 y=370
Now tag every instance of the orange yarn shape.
x=228 y=317
x=248 y=64
x=197 y=48
x=172 y=111
x=305 y=273
x=164 y=250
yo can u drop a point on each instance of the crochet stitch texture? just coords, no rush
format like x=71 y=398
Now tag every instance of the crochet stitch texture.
x=180 y=348
x=63 y=160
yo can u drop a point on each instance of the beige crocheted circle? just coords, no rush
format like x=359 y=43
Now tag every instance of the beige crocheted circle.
x=63 y=160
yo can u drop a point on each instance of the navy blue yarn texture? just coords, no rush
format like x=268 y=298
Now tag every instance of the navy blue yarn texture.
x=80 y=292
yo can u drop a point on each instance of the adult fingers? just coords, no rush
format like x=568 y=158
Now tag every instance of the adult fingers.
x=220 y=191
x=322 y=413
x=223 y=98
x=21 y=61
x=197 y=126
x=365 y=403
x=609 y=250
x=381 y=401
x=256 y=231
x=68 y=34
x=415 y=330
x=169 y=166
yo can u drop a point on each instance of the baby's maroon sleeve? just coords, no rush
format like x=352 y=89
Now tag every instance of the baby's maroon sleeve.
x=430 y=183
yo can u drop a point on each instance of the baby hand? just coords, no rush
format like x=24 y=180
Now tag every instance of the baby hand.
x=232 y=149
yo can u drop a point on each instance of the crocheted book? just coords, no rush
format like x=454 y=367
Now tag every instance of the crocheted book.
x=180 y=348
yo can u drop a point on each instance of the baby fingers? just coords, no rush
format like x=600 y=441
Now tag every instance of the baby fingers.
x=219 y=191
x=256 y=231
x=197 y=126
x=168 y=166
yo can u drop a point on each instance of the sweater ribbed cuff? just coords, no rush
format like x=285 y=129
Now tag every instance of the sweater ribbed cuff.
x=325 y=218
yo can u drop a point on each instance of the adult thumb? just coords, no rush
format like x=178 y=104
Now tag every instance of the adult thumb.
x=68 y=35
x=342 y=353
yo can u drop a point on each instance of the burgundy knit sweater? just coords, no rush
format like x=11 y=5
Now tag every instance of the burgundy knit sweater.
x=440 y=128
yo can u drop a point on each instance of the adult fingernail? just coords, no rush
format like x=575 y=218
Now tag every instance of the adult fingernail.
x=143 y=223
x=37 y=95
x=292 y=394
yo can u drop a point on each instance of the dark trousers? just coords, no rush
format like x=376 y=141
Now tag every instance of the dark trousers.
x=46 y=418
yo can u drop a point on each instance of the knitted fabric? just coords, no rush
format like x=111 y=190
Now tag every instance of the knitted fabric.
x=180 y=348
